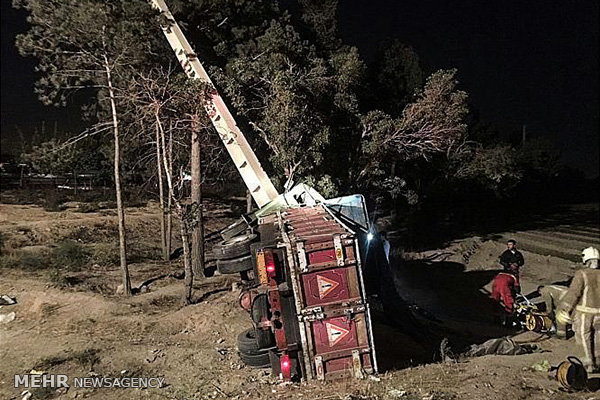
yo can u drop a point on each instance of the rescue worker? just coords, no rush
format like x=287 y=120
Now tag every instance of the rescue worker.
x=552 y=296
x=512 y=256
x=583 y=296
x=504 y=289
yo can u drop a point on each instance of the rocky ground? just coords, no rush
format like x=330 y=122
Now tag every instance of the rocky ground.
x=74 y=324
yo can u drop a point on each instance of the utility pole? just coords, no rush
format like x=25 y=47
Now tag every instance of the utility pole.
x=524 y=133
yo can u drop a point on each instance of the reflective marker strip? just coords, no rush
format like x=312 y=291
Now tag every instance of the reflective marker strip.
x=339 y=252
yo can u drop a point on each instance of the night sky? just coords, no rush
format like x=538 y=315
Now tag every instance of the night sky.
x=522 y=62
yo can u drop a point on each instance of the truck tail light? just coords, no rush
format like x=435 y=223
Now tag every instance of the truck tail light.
x=270 y=264
x=286 y=366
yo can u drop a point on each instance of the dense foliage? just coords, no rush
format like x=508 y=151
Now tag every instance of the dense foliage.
x=310 y=106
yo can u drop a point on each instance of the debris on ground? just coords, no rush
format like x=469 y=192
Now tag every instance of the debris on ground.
x=36 y=372
x=222 y=350
x=154 y=354
x=542 y=366
x=6 y=300
x=396 y=393
x=504 y=346
x=6 y=318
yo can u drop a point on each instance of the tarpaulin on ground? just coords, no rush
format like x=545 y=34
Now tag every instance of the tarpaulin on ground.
x=504 y=346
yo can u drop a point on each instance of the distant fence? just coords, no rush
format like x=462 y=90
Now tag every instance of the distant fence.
x=38 y=181
x=96 y=182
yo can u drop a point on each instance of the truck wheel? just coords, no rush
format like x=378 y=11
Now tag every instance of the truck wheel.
x=247 y=343
x=259 y=309
x=235 y=247
x=261 y=360
x=265 y=338
x=234 y=266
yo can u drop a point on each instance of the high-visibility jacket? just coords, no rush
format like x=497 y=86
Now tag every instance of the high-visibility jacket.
x=504 y=287
x=583 y=296
x=584 y=293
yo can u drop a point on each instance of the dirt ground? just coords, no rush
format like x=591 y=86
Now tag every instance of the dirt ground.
x=82 y=329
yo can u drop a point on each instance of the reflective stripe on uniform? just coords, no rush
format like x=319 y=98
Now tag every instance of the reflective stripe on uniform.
x=585 y=290
x=585 y=343
x=587 y=310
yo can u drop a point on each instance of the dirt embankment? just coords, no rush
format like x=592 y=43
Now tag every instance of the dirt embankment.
x=78 y=330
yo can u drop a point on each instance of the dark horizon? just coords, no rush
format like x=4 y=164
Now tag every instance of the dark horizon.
x=533 y=64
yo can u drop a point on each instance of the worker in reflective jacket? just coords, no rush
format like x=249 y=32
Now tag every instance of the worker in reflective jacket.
x=504 y=289
x=583 y=297
x=552 y=296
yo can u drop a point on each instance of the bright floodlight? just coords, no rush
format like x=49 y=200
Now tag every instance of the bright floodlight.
x=369 y=236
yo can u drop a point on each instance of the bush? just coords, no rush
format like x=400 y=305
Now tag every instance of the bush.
x=54 y=201
x=86 y=358
x=35 y=261
x=105 y=254
x=110 y=204
x=70 y=255
x=88 y=207
x=26 y=260
x=9 y=261
x=60 y=280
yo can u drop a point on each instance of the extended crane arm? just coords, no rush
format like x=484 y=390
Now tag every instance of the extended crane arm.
x=258 y=183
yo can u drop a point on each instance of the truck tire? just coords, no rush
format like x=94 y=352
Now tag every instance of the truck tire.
x=259 y=308
x=265 y=338
x=260 y=360
x=247 y=343
x=235 y=247
x=259 y=311
x=234 y=266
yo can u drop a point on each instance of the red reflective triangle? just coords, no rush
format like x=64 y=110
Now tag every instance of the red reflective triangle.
x=326 y=285
x=335 y=333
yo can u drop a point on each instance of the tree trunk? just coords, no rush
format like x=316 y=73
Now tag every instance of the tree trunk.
x=75 y=183
x=161 y=195
x=170 y=200
x=22 y=180
x=196 y=205
x=187 y=264
x=189 y=274
x=125 y=280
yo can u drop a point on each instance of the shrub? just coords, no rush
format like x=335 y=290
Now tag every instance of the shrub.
x=9 y=261
x=110 y=204
x=27 y=260
x=105 y=254
x=34 y=261
x=87 y=357
x=54 y=201
x=70 y=255
x=88 y=207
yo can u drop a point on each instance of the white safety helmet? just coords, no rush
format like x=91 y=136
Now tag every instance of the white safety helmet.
x=590 y=253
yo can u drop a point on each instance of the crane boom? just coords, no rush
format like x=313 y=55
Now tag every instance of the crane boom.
x=257 y=181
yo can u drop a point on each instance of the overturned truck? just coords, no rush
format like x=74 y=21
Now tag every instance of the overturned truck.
x=302 y=255
x=309 y=308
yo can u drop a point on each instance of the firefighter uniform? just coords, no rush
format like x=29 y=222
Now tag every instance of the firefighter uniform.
x=552 y=296
x=583 y=296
